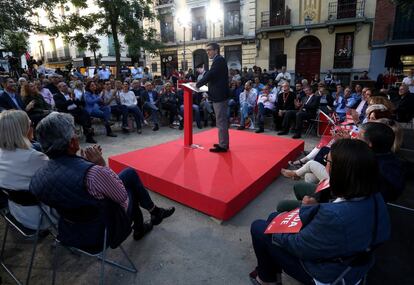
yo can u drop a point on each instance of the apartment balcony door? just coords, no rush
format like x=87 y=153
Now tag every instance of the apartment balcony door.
x=277 y=12
x=346 y=9
x=308 y=57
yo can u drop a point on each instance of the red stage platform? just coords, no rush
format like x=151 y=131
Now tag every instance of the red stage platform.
x=219 y=185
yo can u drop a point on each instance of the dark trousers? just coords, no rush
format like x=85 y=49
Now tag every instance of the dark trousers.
x=121 y=110
x=82 y=118
x=172 y=109
x=271 y=258
x=136 y=112
x=263 y=112
x=138 y=196
x=297 y=118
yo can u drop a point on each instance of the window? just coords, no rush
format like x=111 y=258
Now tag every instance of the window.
x=403 y=26
x=232 y=23
x=53 y=52
x=199 y=27
x=276 y=53
x=167 y=28
x=344 y=50
x=233 y=55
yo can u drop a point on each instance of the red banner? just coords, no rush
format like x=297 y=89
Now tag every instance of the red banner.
x=285 y=223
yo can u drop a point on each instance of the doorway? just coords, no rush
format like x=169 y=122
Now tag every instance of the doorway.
x=308 y=57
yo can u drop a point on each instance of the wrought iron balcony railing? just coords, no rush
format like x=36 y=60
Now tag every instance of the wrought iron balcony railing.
x=346 y=9
x=279 y=18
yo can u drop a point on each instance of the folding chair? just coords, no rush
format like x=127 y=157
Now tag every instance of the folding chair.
x=312 y=124
x=24 y=198
x=100 y=255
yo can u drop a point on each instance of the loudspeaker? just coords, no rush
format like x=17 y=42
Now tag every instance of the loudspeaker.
x=281 y=60
x=87 y=61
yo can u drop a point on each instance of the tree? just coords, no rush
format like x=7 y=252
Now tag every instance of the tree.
x=15 y=42
x=112 y=18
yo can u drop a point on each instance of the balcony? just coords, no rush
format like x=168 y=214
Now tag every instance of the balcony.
x=346 y=9
x=167 y=36
x=51 y=56
x=281 y=18
x=232 y=30
x=163 y=4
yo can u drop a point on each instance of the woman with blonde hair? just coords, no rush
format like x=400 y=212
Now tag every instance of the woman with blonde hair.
x=18 y=163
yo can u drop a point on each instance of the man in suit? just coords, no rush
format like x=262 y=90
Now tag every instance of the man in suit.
x=218 y=89
x=404 y=105
x=308 y=111
x=151 y=100
x=66 y=103
x=10 y=99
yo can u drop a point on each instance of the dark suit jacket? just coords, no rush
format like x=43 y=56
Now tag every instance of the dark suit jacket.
x=405 y=108
x=145 y=96
x=218 y=80
x=312 y=106
x=7 y=103
x=289 y=104
x=61 y=103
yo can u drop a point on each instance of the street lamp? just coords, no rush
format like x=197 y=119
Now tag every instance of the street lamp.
x=214 y=13
x=184 y=20
x=308 y=22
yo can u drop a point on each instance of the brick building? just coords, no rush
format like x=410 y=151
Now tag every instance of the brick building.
x=393 y=38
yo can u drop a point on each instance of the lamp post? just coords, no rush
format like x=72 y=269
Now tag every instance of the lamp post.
x=308 y=22
x=184 y=20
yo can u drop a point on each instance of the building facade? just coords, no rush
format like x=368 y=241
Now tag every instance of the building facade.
x=186 y=26
x=56 y=53
x=314 y=36
x=393 y=38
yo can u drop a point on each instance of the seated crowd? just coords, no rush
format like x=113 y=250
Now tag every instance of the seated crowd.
x=342 y=224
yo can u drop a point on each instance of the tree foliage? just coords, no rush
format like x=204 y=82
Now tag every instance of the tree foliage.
x=15 y=42
x=112 y=18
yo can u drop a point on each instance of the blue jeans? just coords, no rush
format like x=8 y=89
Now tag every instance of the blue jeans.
x=245 y=110
x=232 y=105
x=271 y=258
x=138 y=196
x=104 y=113
x=153 y=110
x=196 y=110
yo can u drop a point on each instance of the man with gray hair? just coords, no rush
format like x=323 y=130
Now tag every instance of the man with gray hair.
x=79 y=188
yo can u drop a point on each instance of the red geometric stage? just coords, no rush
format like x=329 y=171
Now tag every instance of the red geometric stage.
x=218 y=184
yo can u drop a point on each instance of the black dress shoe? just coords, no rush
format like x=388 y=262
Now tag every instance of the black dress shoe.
x=296 y=136
x=140 y=233
x=241 y=128
x=258 y=131
x=216 y=145
x=282 y=133
x=156 y=128
x=159 y=214
x=218 y=149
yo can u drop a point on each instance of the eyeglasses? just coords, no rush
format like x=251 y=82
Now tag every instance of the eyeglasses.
x=326 y=160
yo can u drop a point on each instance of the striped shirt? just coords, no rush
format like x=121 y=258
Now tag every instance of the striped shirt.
x=102 y=182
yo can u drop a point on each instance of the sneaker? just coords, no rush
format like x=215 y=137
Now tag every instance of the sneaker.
x=160 y=214
x=146 y=228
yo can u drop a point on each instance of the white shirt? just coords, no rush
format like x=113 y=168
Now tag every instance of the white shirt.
x=248 y=97
x=16 y=170
x=409 y=81
x=128 y=98
x=283 y=77
x=270 y=103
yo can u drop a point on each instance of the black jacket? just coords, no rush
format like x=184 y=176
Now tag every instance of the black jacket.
x=312 y=106
x=7 y=103
x=218 y=80
x=405 y=108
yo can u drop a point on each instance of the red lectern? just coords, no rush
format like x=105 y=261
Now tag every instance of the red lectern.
x=188 y=111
